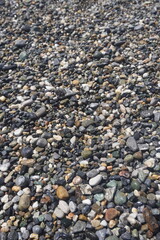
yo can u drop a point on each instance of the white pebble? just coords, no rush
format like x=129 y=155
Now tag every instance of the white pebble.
x=87 y=201
x=95 y=180
x=18 y=131
x=63 y=206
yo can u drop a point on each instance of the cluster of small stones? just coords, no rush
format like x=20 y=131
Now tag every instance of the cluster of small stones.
x=79 y=120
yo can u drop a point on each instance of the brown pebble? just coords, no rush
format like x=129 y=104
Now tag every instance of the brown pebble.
x=62 y=193
x=46 y=199
x=82 y=217
x=138 y=155
x=149 y=234
x=150 y=220
x=111 y=213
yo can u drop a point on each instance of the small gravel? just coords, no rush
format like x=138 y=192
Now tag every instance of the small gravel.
x=79 y=120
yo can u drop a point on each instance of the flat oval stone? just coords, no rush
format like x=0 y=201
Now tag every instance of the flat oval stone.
x=95 y=180
x=62 y=193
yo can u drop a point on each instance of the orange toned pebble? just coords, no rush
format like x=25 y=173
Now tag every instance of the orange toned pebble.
x=16 y=188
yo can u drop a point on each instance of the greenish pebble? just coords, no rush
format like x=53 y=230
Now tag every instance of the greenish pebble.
x=135 y=184
x=128 y=158
x=41 y=218
x=115 y=154
x=110 y=160
x=157 y=167
x=135 y=233
x=142 y=175
x=112 y=238
x=86 y=153
x=23 y=223
x=120 y=198
x=112 y=183
x=22 y=56
x=99 y=197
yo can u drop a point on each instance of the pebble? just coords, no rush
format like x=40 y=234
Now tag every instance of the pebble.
x=120 y=198
x=109 y=193
x=26 y=152
x=20 y=43
x=63 y=206
x=150 y=163
x=80 y=226
x=95 y=180
x=24 y=202
x=42 y=142
x=58 y=212
x=62 y=193
x=132 y=144
x=111 y=213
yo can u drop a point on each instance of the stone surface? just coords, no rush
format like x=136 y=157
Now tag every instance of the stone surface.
x=132 y=144
x=62 y=193
x=24 y=202
x=150 y=220
x=111 y=213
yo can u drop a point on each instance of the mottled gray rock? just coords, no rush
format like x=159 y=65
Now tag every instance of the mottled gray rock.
x=132 y=144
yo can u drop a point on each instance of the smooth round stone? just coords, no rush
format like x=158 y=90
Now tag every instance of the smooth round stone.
x=26 y=152
x=150 y=162
x=37 y=229
x=72 y=206
x=58 y=212
x=92 y=173
x=95 y=180
x=63 y=206
x=42 y=142
x=120 y=198
x=77 y=180
x=135 y=184
x=21 y=181
x=62 y=193
x=99 y=197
